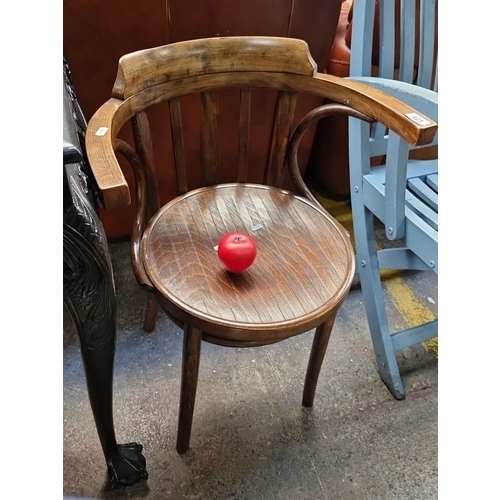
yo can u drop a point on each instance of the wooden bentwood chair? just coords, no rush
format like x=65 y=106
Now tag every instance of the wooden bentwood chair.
x=305 y=262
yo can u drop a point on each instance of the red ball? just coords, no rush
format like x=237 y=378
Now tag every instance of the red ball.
x=237 y=252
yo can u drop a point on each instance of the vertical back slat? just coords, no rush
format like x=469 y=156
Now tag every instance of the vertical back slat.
x=408 y=34
x=386 y=48
x=283 y=117
x=144 y=148
x=387 y=39
x=178 y=145
x=427 y=43
x=244 y=137
x=362 y=32
x=210 y=142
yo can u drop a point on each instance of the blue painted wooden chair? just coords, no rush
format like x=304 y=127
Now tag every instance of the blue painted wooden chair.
x=401 y=192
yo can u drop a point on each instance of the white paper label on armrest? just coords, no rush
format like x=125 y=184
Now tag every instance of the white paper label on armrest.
x=101 y=131
x=418 y=119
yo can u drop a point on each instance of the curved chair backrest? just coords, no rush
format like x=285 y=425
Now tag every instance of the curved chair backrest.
x=200 y=67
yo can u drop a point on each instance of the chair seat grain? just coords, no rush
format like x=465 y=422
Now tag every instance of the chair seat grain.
x=296 y=280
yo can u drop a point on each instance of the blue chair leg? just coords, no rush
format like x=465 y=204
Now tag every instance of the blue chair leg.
x=373 y=296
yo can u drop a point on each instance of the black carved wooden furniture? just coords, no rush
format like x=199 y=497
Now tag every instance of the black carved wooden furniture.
x=89 y=291
x=305 y=262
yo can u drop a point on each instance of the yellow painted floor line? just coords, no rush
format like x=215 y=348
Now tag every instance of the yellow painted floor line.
x=412 y=310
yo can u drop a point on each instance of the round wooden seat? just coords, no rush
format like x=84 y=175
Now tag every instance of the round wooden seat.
x=302 y=272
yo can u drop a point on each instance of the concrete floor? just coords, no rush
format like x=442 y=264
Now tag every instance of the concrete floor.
x=251 y=437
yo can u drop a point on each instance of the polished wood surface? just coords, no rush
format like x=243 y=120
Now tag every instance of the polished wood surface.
x=150 y=67
x=305 y=262
x=89 y=293
x=303 y=269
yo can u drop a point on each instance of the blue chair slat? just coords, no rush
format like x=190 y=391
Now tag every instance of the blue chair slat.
x=427 y=44
x=387 y=39
x=408 y=44
x=362 y=32
x=432 y=180
x=421 y=209
x=424 y=191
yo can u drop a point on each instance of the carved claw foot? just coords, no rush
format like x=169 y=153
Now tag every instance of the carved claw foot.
x=128 y=467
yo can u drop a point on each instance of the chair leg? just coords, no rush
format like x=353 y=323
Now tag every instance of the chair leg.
x=373 y=296
x=94 y=316
x=151 y=313
x=318 y=350
x=189 y=382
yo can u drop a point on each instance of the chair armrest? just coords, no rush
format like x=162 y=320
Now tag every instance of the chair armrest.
x=388 y=105
x=425 y=101
x=370 y=104
x=108 y=174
